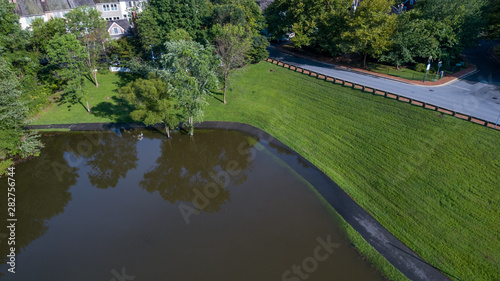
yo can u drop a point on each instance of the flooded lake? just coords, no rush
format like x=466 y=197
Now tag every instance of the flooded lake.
x=221 y=205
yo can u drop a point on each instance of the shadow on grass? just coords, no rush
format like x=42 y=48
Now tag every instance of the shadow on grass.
x=118 y=110
x=125 y=78
x=70 y=99
x=89 y=77
x=218 y=96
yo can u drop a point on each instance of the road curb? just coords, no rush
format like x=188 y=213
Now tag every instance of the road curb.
x=374 y=74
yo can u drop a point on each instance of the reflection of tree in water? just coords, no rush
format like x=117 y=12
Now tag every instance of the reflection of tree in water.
x=282 y=150
x=188 y=163
x=110 y=159
x=41 y=193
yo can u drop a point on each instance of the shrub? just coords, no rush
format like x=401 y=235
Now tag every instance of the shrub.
x=420 y=67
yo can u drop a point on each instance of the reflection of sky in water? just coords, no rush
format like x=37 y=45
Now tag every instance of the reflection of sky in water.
x=265 y=221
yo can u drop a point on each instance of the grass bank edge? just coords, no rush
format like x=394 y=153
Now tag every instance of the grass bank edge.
x=380 y=263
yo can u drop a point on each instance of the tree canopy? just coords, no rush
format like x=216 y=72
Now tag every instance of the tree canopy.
x=190 y=69
x=154 y=102
x=370 y=29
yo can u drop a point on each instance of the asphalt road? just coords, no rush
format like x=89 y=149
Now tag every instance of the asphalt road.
x=477 y=95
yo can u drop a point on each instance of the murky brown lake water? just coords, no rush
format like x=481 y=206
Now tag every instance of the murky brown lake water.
x=221 y=205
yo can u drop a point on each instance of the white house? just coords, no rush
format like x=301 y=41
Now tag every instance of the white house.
x=111 y=10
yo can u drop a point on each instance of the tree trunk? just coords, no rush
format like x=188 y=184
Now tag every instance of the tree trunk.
x=167 y=131
x=225 y=85
x=88 y=107
x=364 y=60
x=191 y=126
x=94 y=73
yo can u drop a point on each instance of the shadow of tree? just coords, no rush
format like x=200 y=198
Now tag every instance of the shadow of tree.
x=126 y=78
x=118 y=110
x=70 y=99
x=88 y=77
x=218 y=96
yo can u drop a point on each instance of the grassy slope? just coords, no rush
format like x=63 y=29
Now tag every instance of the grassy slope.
x=429 y=179
x=104 y=110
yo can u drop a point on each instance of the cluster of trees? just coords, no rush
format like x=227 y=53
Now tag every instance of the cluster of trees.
x=196 y=42
x=50 y=57
x=185 y=50
x=18 y=67
x=201 y=21
x=437 y=28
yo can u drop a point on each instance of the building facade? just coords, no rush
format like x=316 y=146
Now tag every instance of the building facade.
x=111 y=10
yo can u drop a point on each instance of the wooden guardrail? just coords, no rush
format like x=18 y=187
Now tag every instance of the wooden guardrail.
x=385 y=94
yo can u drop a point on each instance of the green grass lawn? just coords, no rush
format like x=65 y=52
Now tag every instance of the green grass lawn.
x=403 y=72
x=104 y=104
x=429 y=179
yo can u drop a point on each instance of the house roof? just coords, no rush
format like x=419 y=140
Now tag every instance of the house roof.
x=78 y=3
x=123 y=23
x=55 y=5
x=106 y=1
x=29 y=7
x=26 y=8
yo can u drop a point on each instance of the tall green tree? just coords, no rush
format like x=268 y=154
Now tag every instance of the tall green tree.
x=148 y=29
x=416 y=38
x=466 y=17
x=67 y=53
x=154 y=102
x=13 y=111
x=302 y=17
x=89 y=28
x=191 y=71
x=186 y=14
x=12 y=37
x=493 y=16
x=231 y=44
x=370 y=29
x=247 y=14
x=43 y=31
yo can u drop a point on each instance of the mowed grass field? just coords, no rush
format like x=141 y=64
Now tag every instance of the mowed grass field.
x=104 y=104
x=431 y=180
